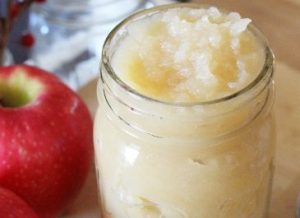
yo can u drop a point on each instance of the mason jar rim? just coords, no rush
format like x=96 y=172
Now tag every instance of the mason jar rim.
x=264 y=72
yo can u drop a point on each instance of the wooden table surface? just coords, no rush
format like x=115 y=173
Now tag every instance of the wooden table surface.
x=279 y=20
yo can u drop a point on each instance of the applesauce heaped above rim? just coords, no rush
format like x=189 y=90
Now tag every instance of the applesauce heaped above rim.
x=188 y=55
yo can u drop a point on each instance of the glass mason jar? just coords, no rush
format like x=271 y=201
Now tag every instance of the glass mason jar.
x=70 y=33
x=209 y=159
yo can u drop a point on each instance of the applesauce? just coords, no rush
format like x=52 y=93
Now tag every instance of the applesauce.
x=184 y=127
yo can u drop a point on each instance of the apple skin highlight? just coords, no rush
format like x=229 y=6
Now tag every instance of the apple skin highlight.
x=45 y=144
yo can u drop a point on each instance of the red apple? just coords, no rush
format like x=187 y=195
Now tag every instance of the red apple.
x=45 y=139
x=13 y=206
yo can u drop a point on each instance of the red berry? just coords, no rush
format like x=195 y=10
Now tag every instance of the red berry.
x=14 y=10
x=27 y=39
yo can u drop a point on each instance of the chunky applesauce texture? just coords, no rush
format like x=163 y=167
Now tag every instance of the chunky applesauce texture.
x=188 y=55
x=185 y=55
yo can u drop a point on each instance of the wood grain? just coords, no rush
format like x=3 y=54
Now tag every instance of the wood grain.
x=287 y=173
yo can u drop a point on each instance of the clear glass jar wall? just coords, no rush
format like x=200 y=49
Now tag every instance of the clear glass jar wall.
x=70 y=34
x=197 y=160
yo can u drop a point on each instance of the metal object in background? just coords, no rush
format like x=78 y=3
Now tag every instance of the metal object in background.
x=8 y=58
